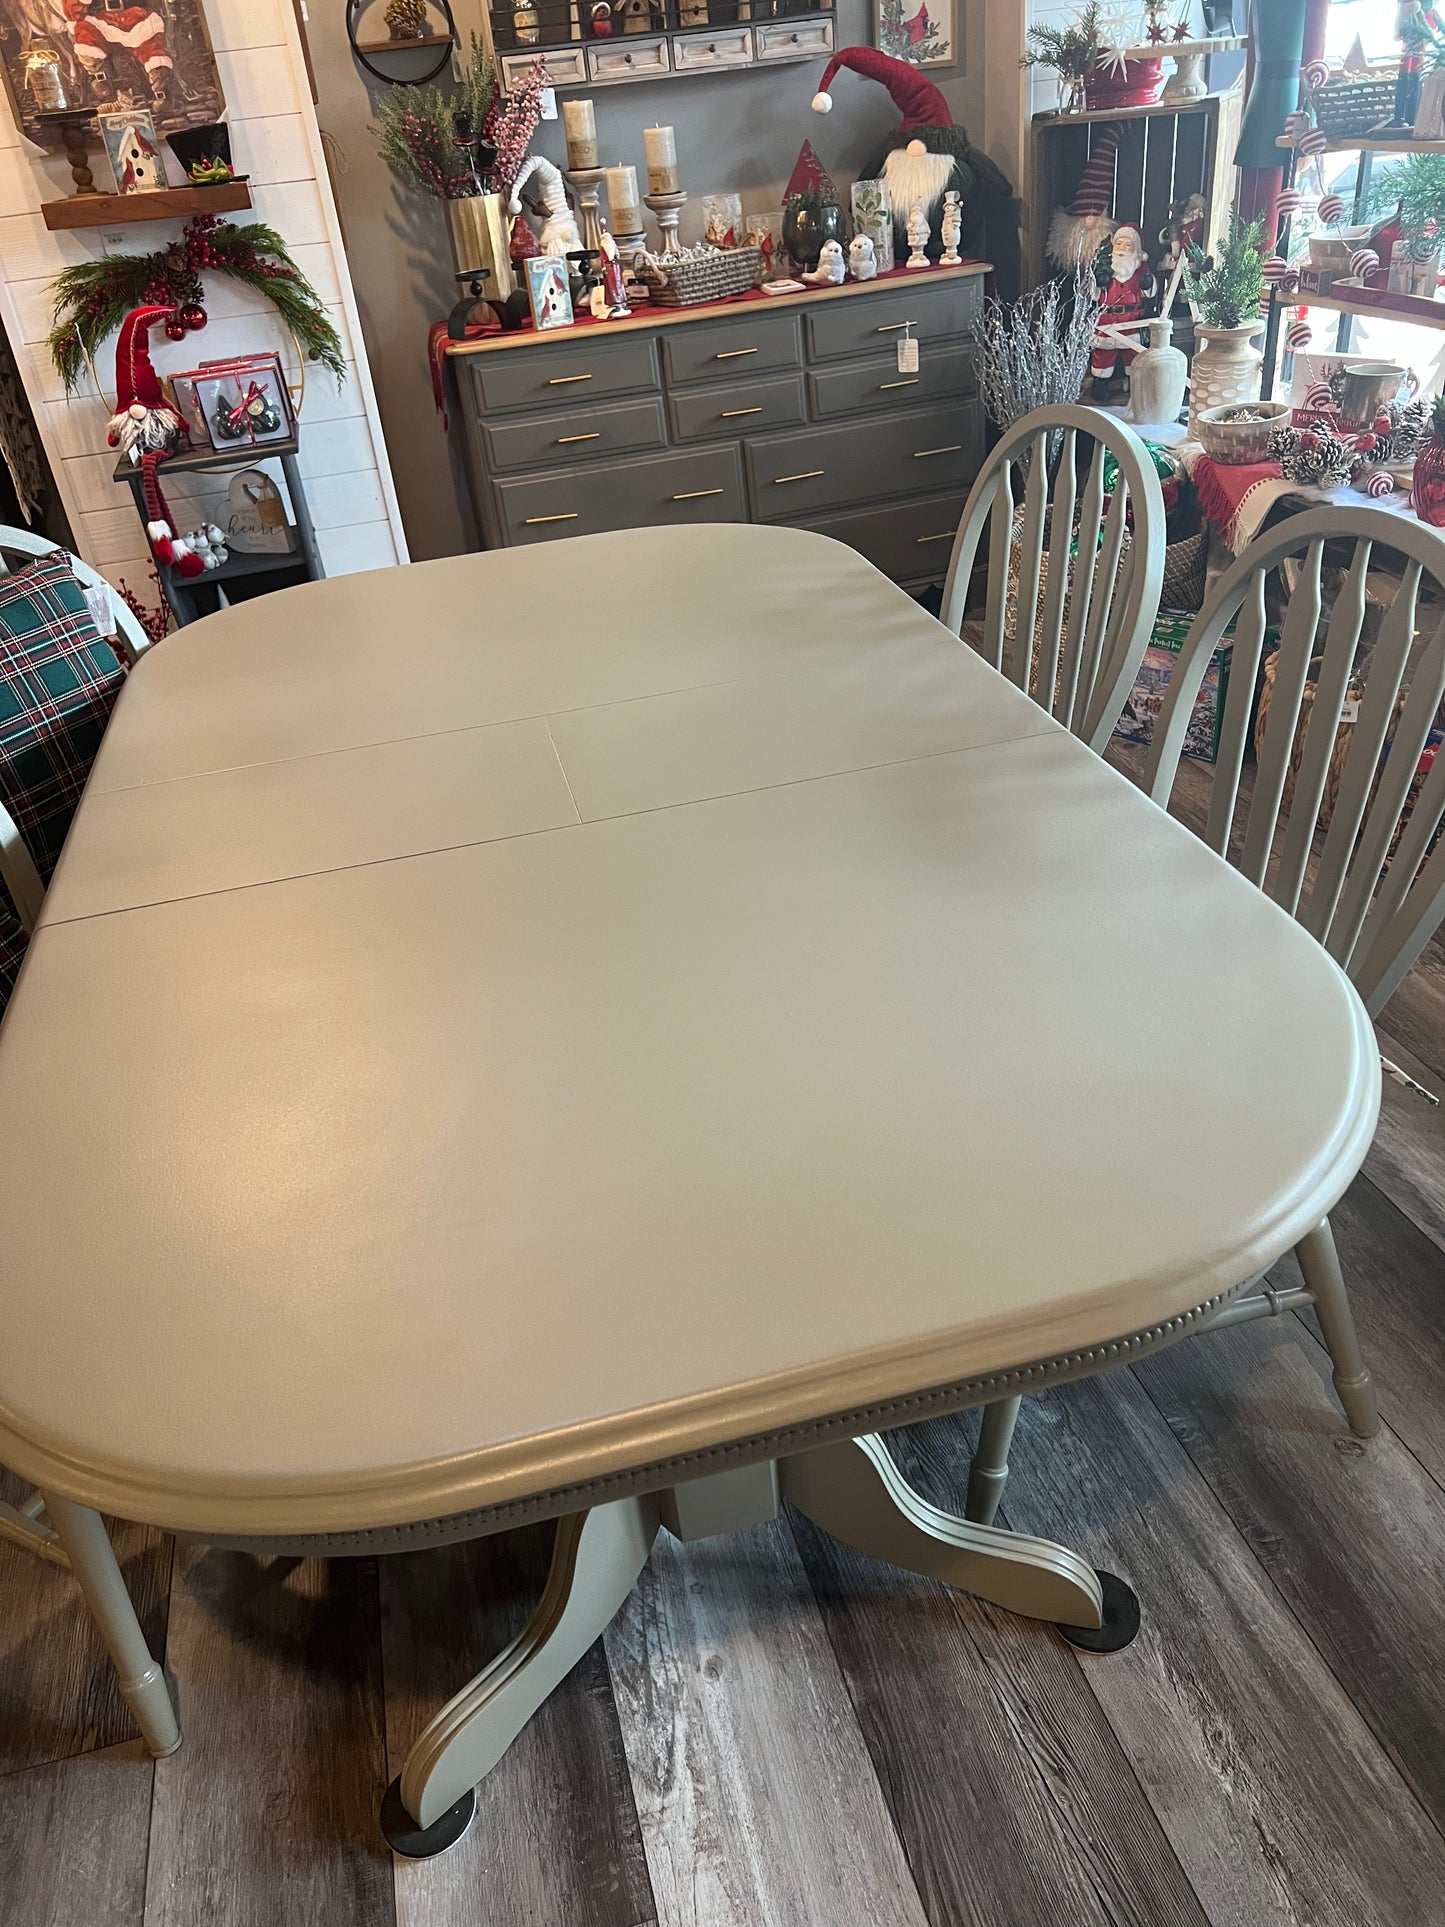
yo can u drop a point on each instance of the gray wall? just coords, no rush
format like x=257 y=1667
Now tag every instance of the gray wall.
x=736 y=133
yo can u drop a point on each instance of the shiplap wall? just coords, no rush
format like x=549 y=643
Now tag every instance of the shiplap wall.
x=276 y=141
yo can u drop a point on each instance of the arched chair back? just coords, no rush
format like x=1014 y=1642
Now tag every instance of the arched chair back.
x=20 y=545
x=1078 y=652
x=1373 y=901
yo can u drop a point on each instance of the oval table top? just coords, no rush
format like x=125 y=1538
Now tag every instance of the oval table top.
x=513 y=1019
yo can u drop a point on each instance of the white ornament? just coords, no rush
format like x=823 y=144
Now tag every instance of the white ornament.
x=829 y=270
x=952 y=229
x=862 y=258
x=917 y=232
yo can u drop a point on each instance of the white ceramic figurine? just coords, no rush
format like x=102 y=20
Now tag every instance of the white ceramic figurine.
x=917 y=232
x=830 y=265
x=862 y=258
x=952 y=229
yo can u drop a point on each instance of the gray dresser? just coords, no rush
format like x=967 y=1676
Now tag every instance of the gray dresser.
x=790 y=409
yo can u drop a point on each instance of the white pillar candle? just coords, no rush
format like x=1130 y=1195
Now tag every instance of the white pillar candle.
x=660 y=144
x=579 y=124
x=623 y=201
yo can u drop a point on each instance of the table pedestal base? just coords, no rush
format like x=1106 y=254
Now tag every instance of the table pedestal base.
x=850 y=1488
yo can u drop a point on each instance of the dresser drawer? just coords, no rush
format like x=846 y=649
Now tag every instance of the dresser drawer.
x=926 y=450
x=909 y=541
x=782 y=41
x=693 y=485
x=629 y=59
x=542 y=441
x=566 y=67
x=745 y=347
x=564 y=375
x=860 y=322
x=944 y=374
x=704 y=53
x=743 y=407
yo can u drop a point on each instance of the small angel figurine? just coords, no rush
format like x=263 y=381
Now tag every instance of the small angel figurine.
x=862 y=258
x=917 y=232
x=952 y=229
x=829 y=270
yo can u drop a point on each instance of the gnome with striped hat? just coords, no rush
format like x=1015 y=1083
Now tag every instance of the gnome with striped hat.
x=147 y=429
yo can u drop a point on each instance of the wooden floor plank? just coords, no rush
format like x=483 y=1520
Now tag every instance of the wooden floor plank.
x=73 y=1841
x=1014 y=1800
x=1249 y=1407
x=1407 y=1158
x=58 y=1694
x=555 y=1842
x=1280 y=1804
x=267 y=1814
x=1416 y=1012
x=758 y=1804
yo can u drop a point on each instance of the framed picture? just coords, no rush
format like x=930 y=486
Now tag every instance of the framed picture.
x=133 y=151
x=114 y=57
x=922 y=32
x=549 y=292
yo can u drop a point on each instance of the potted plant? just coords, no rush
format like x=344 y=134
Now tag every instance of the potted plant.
x=1225 y=290
x=1407 y=201
x=810 y=219
x=1091 y=71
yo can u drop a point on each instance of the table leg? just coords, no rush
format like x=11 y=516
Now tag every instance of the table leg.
x=595 y=1563
x=92 y=1560
x=853 y=1490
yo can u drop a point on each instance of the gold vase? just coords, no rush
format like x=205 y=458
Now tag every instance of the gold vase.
x=479 y=230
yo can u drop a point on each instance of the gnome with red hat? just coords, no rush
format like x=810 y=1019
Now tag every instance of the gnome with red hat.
x=929 y=153
x=146 y=427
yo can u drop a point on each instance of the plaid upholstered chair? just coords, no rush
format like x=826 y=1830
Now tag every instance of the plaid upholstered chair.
x=58 y=683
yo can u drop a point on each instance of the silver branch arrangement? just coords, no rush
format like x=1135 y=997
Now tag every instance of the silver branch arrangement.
x=1034 y=352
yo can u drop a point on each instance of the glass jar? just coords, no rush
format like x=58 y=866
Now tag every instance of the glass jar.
x=1428 y=486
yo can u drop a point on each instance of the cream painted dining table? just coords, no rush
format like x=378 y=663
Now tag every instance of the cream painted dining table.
x=602 y=1034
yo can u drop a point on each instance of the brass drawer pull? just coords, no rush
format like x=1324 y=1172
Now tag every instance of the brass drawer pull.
x=532 y=520
x=561 y=381
x=806 y=476
x=729 y=414
x=952 y=449
x=947 y=536
x=884 y=386
x=595 y=436
x=733 y=354
x=695 y=494
x=892 y=327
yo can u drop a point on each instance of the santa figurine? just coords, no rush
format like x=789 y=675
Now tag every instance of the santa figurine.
x=928 y=154
x=1131 y=285
x=147 y=429
x=107 y=36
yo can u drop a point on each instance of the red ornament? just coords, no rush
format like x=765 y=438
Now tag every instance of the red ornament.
x=194 y=316
x=175 y=329
x=1428 y=488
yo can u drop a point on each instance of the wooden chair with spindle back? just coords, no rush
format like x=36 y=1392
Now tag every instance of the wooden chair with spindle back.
x=1070 y=606
x=1370 y=883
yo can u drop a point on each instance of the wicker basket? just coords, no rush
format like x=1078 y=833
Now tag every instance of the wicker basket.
x=1015 y=574
x=704 y=277
x=1346 y=108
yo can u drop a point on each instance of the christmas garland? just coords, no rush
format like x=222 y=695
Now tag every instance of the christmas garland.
x=92 y=299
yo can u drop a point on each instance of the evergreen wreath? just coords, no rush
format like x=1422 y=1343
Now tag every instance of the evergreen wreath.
x=93 y=298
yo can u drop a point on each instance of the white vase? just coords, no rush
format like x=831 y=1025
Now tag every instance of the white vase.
x=1158 y=376
x=1226 y=369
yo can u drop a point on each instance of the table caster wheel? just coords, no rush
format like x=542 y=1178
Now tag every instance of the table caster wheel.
x=412 y=1842
x=1121 y=1618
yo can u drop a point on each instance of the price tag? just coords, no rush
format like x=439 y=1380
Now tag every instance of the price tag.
x=1350 y=711
x=547 y=103
x=907 y=352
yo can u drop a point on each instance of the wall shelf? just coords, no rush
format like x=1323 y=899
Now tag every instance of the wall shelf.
x=419 y=44
x=1420 y=317
x=1374 y=144
x=164 y=204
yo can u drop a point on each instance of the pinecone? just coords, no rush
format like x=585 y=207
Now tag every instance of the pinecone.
x=405 y=19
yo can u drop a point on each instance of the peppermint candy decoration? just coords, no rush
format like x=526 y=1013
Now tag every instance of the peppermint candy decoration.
x=1379 y=482
x=1297 y=338
x=1289 y=283
x=1275 y=269
x=1331 y=209
x=1296 y=125
x=1363 y=263
x=1317 y=396
x=1316 y=141
x=1315 y=74
x=1287 y=202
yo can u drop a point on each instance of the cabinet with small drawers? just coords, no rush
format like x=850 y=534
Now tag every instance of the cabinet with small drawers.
x=791 y=409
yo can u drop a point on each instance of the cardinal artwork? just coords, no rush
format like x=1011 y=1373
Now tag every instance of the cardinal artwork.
x=115 y=57
x=1130 y=286
x=919 y=32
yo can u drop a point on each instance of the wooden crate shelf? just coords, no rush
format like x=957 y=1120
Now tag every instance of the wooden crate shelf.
x=163 y=204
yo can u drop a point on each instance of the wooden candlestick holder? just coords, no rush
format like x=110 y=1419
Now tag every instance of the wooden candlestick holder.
x=668 y=209
x=586 y=183
x=71 y=124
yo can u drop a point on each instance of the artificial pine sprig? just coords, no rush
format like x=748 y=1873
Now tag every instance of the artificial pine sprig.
x=94 y=297
x=1229 y=286
x=1073 y=50
x=416 y=128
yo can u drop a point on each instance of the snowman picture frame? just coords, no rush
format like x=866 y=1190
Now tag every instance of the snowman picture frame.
x=133 y=151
